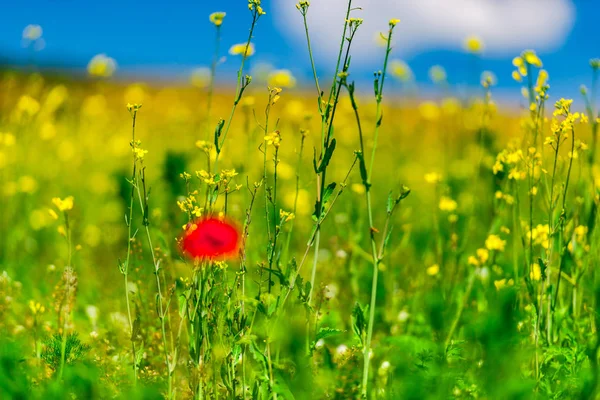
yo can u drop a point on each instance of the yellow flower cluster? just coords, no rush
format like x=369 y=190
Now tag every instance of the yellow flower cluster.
x=540 y=235
x=433 y=270
x=254 y=5
x=206 y=177
x=188 y=205
x=217 y=18
x=510 y=200
x=473 y=44
x=36 y=308
x=65 y=204
x=205 y=146
x=282 y=78
x=535 y=272
x=393 y=22
x=503 y=283
x=27 y=105
x=139 y=153
x=273 y=138
x=447 y=204
x=482 y=256
x=494 y=242
x=286 y=216
x=563 y=122
x=433 y=177
x=101 y=66
x=302 y=5
x=523 y=63
x=243 y=49
x=510 y=157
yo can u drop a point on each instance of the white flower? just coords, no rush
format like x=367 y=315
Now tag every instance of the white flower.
x=341 y=349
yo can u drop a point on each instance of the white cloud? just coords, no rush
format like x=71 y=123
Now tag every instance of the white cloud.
x=506 y=26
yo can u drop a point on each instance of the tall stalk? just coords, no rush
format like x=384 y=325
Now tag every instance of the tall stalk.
x=124 y=268
x=366 y=175
x=327 y=111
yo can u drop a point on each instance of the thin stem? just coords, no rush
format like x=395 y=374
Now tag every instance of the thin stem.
x=163 y=314
x=213 y=73
x=372 y=229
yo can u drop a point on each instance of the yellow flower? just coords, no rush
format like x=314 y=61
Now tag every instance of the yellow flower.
x=516 y=76
x=217 y=18
x=273 y=138
x=433 y=177
x=282 y=78
x=358 y=188
x=36 y=308
x=540 y=235
x=102 y=66
x=581 y=231
x=429 y=110
x=498 y=167
x=394 y=22
x=28 y=105
x=447 y=204
x=139 y=153
x=483 y=255
x=536 y=272
x=472 y=260
x=401 y=70
x=286 y=216
x=133 y=107
x=241 y=49
x=473 y=44
x=52 y=213
x=531 y=58
x=502 y=283
x=516 y=174
x=63 y=204
x=7 y=139
x=433 y=270
x=493 y=242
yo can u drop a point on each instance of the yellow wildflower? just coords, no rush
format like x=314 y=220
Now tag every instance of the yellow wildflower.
x=282 y=78
x=433 y=177
x=273 y=138
x=494 y=242
x=536 y=272
x=433 y=270
x=473 y=44
x=242 y=49
x=447 y=204
x=102 y=66
x=65 y=204
x=217 y=18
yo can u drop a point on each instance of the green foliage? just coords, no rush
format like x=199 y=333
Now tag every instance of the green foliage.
x=75 y=350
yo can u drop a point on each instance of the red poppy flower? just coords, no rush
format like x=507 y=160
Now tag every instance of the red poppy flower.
x=211 y=238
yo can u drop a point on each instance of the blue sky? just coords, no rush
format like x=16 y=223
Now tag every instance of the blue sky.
x=166 y=40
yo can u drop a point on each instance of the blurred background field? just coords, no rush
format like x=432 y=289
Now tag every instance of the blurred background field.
x=468 y=303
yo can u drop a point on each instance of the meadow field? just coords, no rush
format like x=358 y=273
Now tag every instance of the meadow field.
x=269 y=240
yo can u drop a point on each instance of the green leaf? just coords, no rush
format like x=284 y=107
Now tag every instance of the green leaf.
x=359 y=321
x=327 y=156
x=326 y=332
x=218 y=131
x=390 y=203
x=328 y=192
x=363 y=169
